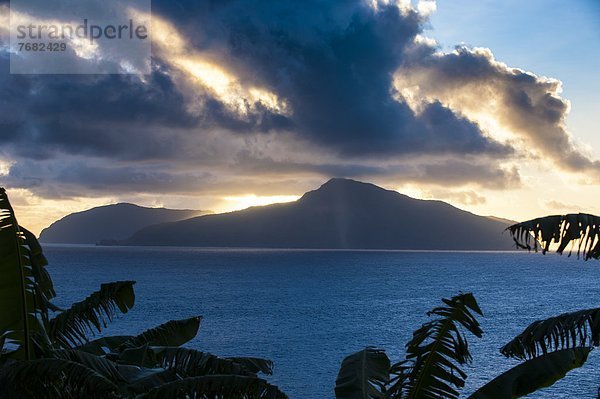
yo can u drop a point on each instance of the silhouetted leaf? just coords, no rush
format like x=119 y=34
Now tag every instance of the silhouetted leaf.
x=363 y=375
x=190 y=362
x=53 y=379
x=431 y=369
x=533 y=374
x=171 y=333
x=104 y=345
x=568 y=330
x=218 y=386
x=99 y=364
x=254 y=364
x=579 y=229
x=73 y=326
x=24 y=303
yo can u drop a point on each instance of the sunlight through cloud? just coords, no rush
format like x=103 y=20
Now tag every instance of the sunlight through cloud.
x=235 y=203
x=199 y=69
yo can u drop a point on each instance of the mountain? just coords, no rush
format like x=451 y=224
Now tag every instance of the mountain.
x=341 y=214
x=110 y=222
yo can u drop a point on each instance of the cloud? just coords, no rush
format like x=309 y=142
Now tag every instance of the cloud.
x=80 y=26
x=564 y=208
x=455 y=172
x=93 y=177
x=557 y=205
x=467 y=197
x=327 y=81
x=334 y=71
x=513 y=105
x=89 y=114
x=291 y=91
x=81 y=177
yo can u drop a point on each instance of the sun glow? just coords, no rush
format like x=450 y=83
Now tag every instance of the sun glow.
x=461 y=102
x=203 y=69
x=35 y=212
x=5 y=167
x=209 y=75
x=236 y=203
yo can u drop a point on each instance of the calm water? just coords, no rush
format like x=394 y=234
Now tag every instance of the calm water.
x=306 y=310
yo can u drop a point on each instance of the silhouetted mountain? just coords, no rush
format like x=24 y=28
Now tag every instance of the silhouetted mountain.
x=340 y=214
x=110 y=222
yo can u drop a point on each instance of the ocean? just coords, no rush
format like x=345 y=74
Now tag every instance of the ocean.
x=306 y=310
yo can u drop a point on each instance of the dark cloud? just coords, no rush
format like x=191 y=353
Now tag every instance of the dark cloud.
x=455 y=172
x=260 y=176
x=114 y=116
x=95 y=178
x=247 y=164
x=449 y=172
x=332 y=62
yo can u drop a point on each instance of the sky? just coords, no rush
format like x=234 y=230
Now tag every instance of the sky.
x=490 y=106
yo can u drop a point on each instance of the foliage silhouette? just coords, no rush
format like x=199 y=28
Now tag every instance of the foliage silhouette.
x=549 y=348
x=55 y=357
x=434 y=356
x=579 y=229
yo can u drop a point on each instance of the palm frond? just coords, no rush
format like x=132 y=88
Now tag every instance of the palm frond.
x=99 y=364
x=24 y=304
x=141 y=380
x=73 y=326
x=400 y=374
x=363 y=375
x=534 y=374
x=190 y=362
x=217 y=386
x=171 y=333
x=568 y=330
x=254 y=364
x=104 y=345
x=54 y=379
x=39 y=263
x=129 y=378
x=578 y=229
x=431 y=369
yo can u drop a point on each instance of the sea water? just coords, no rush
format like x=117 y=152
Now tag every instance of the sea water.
x=306 y=310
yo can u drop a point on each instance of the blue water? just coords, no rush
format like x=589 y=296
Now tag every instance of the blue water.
x=306 y=310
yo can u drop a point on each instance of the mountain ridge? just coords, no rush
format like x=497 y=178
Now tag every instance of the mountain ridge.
x=109 y=222
x=340 y=214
